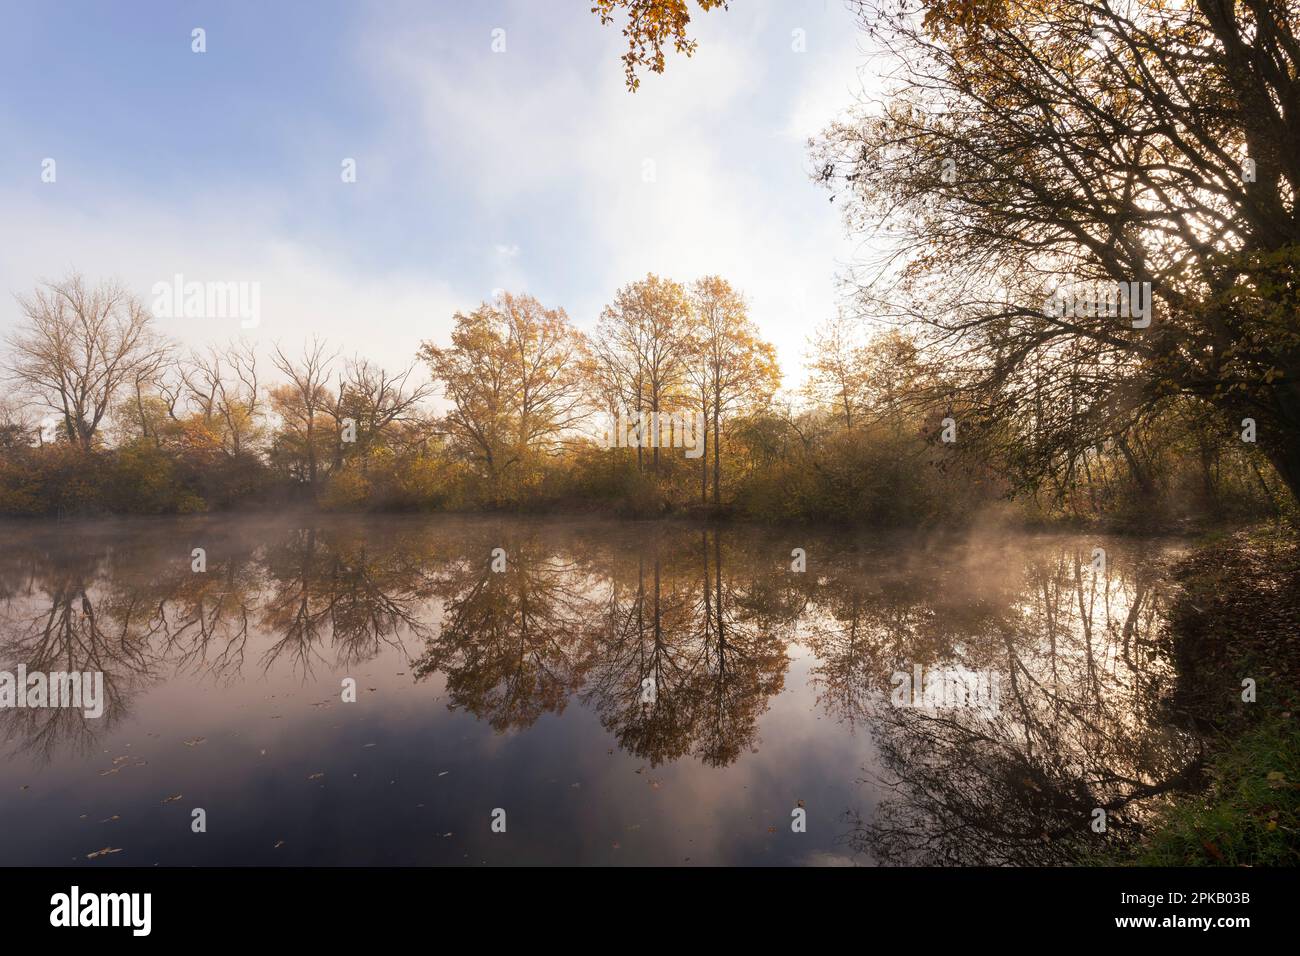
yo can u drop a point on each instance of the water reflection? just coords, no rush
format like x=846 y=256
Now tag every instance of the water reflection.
x=1084 y=723
x=677 y=638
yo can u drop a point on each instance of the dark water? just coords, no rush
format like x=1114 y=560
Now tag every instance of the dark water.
x=525 y=690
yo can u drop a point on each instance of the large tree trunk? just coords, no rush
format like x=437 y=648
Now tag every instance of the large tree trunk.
x=1281 y=442
x=1285 y=456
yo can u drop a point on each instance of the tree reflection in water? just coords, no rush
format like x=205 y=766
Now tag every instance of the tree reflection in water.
x=1083 y=722
x=677 y=637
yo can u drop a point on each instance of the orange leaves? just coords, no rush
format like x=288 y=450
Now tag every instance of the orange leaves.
x=650 y=24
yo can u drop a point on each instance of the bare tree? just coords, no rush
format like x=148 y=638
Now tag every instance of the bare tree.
x=305 y=398
x=223 y=385
x=79 y=347
x=17 y=429
x=378 y=400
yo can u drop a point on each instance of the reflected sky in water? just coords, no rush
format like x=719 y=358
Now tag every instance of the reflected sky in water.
x=525 y=690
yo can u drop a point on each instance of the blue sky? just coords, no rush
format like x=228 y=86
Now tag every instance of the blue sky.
x=530 y=169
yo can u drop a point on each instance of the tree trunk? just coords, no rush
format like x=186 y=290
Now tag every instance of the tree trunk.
x=1286 y=460
x=717 y=459
x=704 y=457
x=654 y=433
x=1145 y=485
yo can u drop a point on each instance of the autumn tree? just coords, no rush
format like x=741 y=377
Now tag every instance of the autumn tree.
x=836 y=373
x=643 y=344
x=80 y=348
x=862 y=380
x=1021 y=149
x=731 y=365
x=512 y=377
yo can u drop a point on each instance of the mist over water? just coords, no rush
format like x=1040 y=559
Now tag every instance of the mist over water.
x=524 y=688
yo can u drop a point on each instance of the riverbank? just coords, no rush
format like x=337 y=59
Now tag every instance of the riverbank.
x=1233 y=631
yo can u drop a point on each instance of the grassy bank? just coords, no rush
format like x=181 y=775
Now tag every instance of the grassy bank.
x=1236 y=619
x=1248 y=816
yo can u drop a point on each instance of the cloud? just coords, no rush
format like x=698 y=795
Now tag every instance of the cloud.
x=695 y=174
x=303 y=291
x=703 y=171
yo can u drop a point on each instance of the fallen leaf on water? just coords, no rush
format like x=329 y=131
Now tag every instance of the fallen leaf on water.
x=104 y=852
x=105 y=773
x=316 y=776
x=173 y=798
x=194 y=741
x=110 y=819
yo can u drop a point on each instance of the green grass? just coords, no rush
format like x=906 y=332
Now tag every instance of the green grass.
x=1249 y=815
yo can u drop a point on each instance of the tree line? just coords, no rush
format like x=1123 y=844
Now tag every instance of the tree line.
x=105 y=414
x=482 y=420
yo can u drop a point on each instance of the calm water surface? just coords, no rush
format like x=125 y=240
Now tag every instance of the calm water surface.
x=523 y=690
